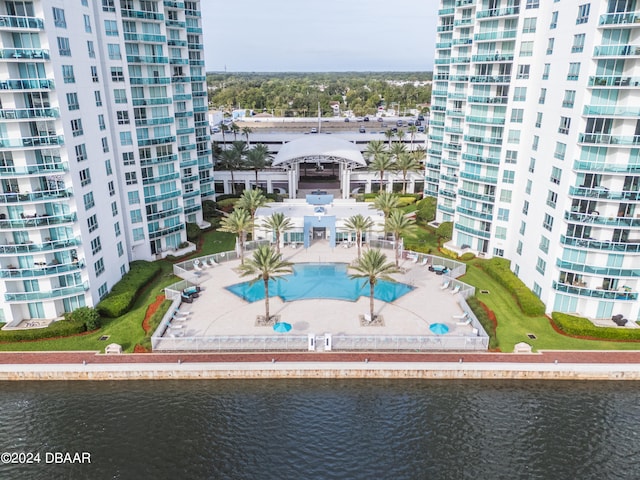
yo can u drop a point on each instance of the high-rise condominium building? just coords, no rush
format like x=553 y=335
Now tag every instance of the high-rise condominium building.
x=104 y=152
x=535 y=144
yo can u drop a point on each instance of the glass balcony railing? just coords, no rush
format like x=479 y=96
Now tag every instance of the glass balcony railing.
x=158 y=160
x=142 y=14
x=48 y=246
x=141 y=122
x=621 y=247
x=611 y=110
x=42 y=141
x=613 y=81
x=600 y=271
x=616 y=50
x=477 y=196
x=194 y=193
x=602 y=192
x=478 y=178
x=147 y=59
x=140 y=102
x=597 y=293
x=41 y=270
x=496 y=35
x=448 y=194
x=24 y=53
x=472 y=231
x=498 y=100
x=37 y=221
x=608 y=139
x=150 y=80
x=178 y=61
x=498 y=12
x=28 y=113
x=172 y=4
x=155 y=141
x=583 y=166
x=493 y=57
x=11 y=22
x=602 y=220
x=51 y=294
x=620 y=18
x=164 y=214
x=449 y=178
x=166 y=231
x=163 y=196
x=45 y=195
x=446 y=209
x=39 y=169
x=144 y=37
x=485 y=120
x=490 y=79
x=480 y=159
x=161 y=178
x=475 y=214
x=27 y=84
x=489 y=140
x=175 y=23
x=176 y=42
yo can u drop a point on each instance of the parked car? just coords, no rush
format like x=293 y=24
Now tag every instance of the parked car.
x=314 y=130
x=346 y=119
x=421 y=129
x=421 y=118
x=399 y=123
x=366 y=119
x=362 y=130
x=380 y=119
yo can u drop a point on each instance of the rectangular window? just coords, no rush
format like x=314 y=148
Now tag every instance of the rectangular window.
x=525 y=207
x=534 y=144
x=574 y=71
x=523 y=72
x=64 y=49
x=134 y=197
x=119 y=249
x=130 y=178
x=99 y=267
x=513 y=137
x=532 y=165
x=565 y=124
x=523 y=227
x=98 y=98
x=81 y=152
x=117 y=74
x=548 y=222
x=550 y=44
x=105 y=145
x=114 y=51
x=94 y=74
x=107 y=167
x=72 y=101
x=511 y=156
x=541 y=265
x=101 y=124
x=529 y=25
x=76 y=127
x=539 y=120
x=128 y=158
x=544 y=244
x=123 y=117
x=138 y=234
x=561 y=150
x=92 y=222
x=545 y=73
x=503 y=214
x=508 y=176
x=120 y=95
x=520 y=94
x=111 y=28
x=519 y=248
x=552 y=198
x=87 y=23
x=112 y=190
x=114 y=209
x=569 y=98
x=517 y=115
x=505 y=195
x=116 y=228
x=556 y=175
x=532 y=4
x=108 y=6
x=578 y=43
x=527 y=188
x=85 y=177
x=136 y=216
x=91 y=49
x=89 y=202
x=67 y=74
x=125 y=138
x=96 y=245
x=554 y=20
x=543 y=96
x=583 y=13
x=59 y=18
x=526 y=49
x=501 y=233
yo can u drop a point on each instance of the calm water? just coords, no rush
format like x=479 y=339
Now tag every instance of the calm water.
x=319 y=280
x=321 y=429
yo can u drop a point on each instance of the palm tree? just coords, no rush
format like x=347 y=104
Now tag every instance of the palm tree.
x=223 y=129
x=258 y=158
x=389 y=134
x=252 y=200
x=381 y=163
x=358 y=223
x=399 y=225
x=265 y=264
x=278 y=224
x=231 y=160
x=373 y=266
x=400 y=135
x=246 y=131
x=405 y=163
x=374 y=149
x=239 y=223
x=412 y=129
x=386 y=202
x=235 y=129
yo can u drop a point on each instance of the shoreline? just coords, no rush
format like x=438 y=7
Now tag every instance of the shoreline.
x=546 y=365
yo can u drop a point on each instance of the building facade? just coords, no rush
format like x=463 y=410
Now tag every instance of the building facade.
x=104 y=149
x=535 y=144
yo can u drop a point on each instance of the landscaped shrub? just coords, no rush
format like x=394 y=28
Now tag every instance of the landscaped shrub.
x=404 y=201
x=193 y=232
x=448 y=253
x=61 y=328
x=427 y=209
x=227 y=205
x=582 y=327
x=209 y=209
x=87 y=315
x=465 y=257
x=226 y=196
x=445 y=230
x=498 y=269
x=483 y=317
x=122 y=295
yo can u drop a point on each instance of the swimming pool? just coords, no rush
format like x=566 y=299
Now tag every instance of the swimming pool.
x=319 y=280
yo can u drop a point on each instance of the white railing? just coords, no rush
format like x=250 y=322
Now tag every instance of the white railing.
x=193 y=267
x=233 y=343
x=166 y=320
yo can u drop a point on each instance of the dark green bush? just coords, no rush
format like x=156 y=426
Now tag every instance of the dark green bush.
x=483 y=317
x=209 y=209
x=226 y=196
x=122 y=295
x=498 y=269
x=582 y=327
x=193 y=232
x=465 y=257
x=62 y=328
x=427 y=209
x=445 y=230
x=87 y=315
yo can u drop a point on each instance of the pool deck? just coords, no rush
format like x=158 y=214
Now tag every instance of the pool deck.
x=218 y=312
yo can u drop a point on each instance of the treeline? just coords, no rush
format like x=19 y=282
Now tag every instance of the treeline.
x=298 y=94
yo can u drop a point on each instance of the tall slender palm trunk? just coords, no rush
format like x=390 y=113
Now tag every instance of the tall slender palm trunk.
x=266 y=299
x=372 y=285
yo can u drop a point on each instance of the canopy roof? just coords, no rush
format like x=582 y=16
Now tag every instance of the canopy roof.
x=318 y=146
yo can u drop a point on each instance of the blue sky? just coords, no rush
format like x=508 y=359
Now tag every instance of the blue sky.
x=321 y=35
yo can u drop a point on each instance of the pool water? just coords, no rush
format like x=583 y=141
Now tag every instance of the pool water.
x=319 y=280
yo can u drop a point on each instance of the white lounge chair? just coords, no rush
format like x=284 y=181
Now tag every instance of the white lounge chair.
x=455 y=290
x=197 y=267
x=294 y=246
x=444 y=286
x=367 y=318
x=425 y=261
x=464 y=322
x=212 y=262
x=461 y=316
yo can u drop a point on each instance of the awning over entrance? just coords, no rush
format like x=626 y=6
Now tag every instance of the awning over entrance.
x=318 y=146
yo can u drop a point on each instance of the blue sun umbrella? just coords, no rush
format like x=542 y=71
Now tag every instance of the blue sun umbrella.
x=439 y=328
x=282 y=327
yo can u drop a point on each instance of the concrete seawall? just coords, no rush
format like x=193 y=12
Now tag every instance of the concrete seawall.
x=336 y=370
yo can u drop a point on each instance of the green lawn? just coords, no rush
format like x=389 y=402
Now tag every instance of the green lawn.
x=127 y=329
x=513 y=325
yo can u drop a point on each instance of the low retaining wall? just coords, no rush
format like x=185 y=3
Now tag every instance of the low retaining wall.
x=450 y=371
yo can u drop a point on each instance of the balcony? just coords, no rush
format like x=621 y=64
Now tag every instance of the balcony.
x=155 y=141
x=496 y=35
x=485 y=120
x=51 y=294
x=587 y=292
x=154 y=59
x=605 y=193
x=10 y=22
x=142 y=14
x=158 y=160
x=608 y=139
x=166 y=231
x=140 y=102
x=487 y=140
x=491 y=79
x=477 y=196
x=493 y=57
x=41 y=141
x=472 y=231
x=163 y=196
x=39 y=169
x=41 y=270
x=611 y=111
x=24 y=53
x=602 y=220
x=492 y=100
x=481 y=159
x=36 y=221
x=616 y=51
x=584 y=166
x=144 y=37
x=164 y=214
x=161 y=178
x=41 y=196
x=142 y=122
x=606 y=245
x=600 y=271
x=27 y=84
x=475 y=214
x=613 y=81
x=28 y=113
x=150 y=80
x=48 y=246
x=628 y=19
x=478 y=178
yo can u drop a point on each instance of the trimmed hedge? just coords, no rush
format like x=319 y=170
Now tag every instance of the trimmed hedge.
x=465 y=257
x=123 y=294
x=498 y=269
x=582 y=327
x=61 y=328
x=87 y=315
x=154 y=322
x=483 y=317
